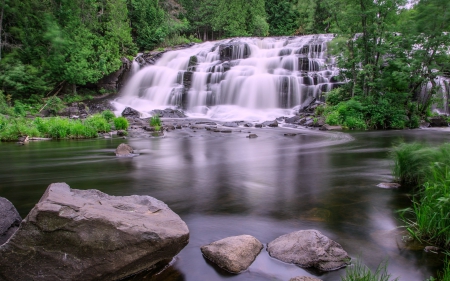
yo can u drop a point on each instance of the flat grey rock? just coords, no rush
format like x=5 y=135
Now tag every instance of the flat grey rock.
x=309 y=248
x=234 y=254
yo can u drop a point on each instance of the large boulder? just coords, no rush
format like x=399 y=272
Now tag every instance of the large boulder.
x=131 y=113
x=114 y=81
x=88 y=235
x=234 y=50
x=124 y=150
x=10 y=220
x=309 y=248
x=234 y=254
x=438 y=121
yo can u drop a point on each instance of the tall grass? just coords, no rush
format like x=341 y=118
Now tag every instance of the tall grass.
x=12 y=128
x=428 y=168
x=155 y=122
x=360 y=272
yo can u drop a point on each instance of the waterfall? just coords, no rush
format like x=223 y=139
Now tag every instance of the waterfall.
x=242 y=78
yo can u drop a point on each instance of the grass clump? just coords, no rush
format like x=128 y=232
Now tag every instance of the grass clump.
x=98 y=122
x=428 y=169
x=11 y=128
x=360 y=272
x=155 y=122
x=121 y=123
x=108 y=115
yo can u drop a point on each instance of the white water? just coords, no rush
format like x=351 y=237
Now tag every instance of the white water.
x=256 y=80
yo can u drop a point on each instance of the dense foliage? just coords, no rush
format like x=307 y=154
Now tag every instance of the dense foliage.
x=389 y=56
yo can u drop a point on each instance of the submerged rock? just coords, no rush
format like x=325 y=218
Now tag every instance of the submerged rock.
x=388 y=185
x=309 y=248
x=304 y=278
x=252 y=136
x=89 y=235
x=124 y=150
x=327 y=127
x=10 y=220
x=234 y=254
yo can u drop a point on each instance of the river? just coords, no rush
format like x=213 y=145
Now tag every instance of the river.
x=226 y=184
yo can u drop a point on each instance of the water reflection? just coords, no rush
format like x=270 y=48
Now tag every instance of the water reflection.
x=226 y=184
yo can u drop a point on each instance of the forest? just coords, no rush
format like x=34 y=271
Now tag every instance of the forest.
x=388 y=51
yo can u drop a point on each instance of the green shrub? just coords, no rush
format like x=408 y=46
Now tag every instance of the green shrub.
x=121 y=123
x=360 y=272
x=58 y=128
x=54 y=105
x=99 y=123
x=19 y=109
x=347 y=113
x=78 y=130
x=155 y=121
x=108 y=115
x=336 y=96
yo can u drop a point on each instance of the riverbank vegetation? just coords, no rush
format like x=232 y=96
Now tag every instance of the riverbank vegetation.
x=389 y=56
x=360 y=272
x=426 y=170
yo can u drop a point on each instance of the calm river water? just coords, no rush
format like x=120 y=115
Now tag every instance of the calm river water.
x=226 y=184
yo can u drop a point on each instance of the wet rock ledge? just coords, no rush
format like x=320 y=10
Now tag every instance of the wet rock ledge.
x=89 y=235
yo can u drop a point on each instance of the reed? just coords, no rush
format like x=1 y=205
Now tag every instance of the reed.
x=360 y=272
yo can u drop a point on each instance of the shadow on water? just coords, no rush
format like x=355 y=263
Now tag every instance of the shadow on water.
x=223 y=185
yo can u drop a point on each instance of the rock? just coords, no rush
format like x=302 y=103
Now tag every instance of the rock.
x=226 y=131
x=438 y=121
x=234 y=254
x=306 y=104
x=432 y=249
x=327 y=127
x=169 y=113
x=424 y=124
x=131 y=113
x=88 y=235
x=304 y=278
x=113 y=82
x=290 y=135
x=10 y=220
x=292 y=120
x=252 y=136
x=206 y=123
x=258 y=125
x=388 y=185
x=320 y=122
x=124 y=150
x=248 y=125
x=309 y=248
x=122 y=133
x=234 y=50
x=271 y=123
x=230 y=124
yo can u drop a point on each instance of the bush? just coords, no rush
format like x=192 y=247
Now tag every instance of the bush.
x=360 y=272
x=121 y=123
x=99 y=123
x=19 y=109
x=108 y=115
x=348 y=114
x=335 y=96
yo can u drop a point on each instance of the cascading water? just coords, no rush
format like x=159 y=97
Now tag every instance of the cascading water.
x=236 y=79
